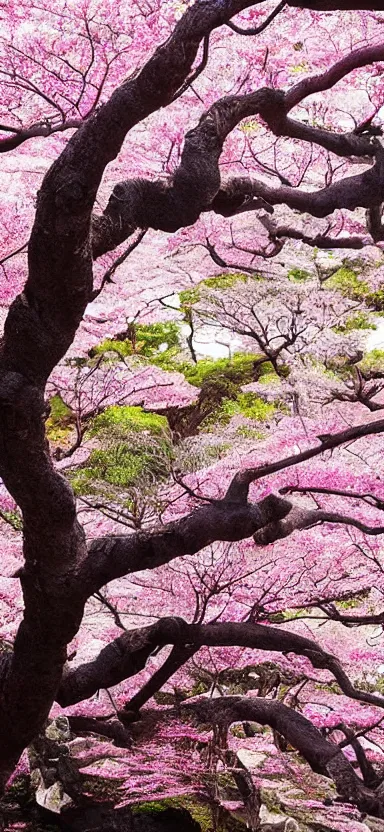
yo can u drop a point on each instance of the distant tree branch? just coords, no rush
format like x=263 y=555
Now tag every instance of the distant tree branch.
x=108 y=274
x=326 y=80
x=318 y=241
x=241 y=481
x=371 y=499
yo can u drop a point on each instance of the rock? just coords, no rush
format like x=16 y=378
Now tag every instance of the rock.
x=58 y=730
x=250 y=759
x=276 y=822
x=52 y=798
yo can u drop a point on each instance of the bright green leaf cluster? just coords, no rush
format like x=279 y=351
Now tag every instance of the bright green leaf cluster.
x=360 y=320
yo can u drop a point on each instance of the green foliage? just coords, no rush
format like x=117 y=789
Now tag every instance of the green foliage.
x=200 y=686
x=329 y=687
x=269 y=377
x=239 y=369
x=299 y=68
x=376 y=300
x=188 y=297
x=249 y=433
x=355 y=601
x=298 y=275
x=246 y=404
x=287 y=615
x=59 y=410
x=135 y=447
x=347 y=281
x=369 y=686
x=226 y=280
x=144 y=340
x=200 y=812
x=192 y=458
x=372 y=362
x=130 y=419
x=360 y=320
x=14 y=519
x=60 y=420
x=122 y=465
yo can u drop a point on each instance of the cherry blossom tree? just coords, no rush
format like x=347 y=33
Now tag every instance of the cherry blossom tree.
x=50 y=87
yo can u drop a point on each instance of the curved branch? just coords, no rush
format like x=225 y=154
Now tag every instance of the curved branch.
x=256 y=30
x=371 y=499
x=179 y=200
x=41 y=129
x=232 y=518
x=195 y=187
x=127 y=655
x=322 y=755
x=320 y=240
x=241 y=481
x=319 y=83
x=199 y=69
x=300 y=518
x=113 y=729
x=39 y=328
x=362 y=190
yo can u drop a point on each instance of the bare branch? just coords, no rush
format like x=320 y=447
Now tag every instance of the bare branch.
x=371 y=499
x=256 y=30
x=319 y=83
x=300 y=518
x=241 y=481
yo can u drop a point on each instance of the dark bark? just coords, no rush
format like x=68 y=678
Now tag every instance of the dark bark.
x=112 y=557
x=60 y=572
x=128 y=654
x=178 y=201
x=322 y=756
x=40 y=327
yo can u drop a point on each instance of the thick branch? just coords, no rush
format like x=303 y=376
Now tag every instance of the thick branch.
x=230 y=519
x=318 y=241
x=40 y=326
x=322 y=756
x=363 y=190
x=178 y=202
x=127 y=655
x=319 y=83
x=60 y=261
x=227 y=519
x=256 y=30
x=113 y=729
x=41 y=129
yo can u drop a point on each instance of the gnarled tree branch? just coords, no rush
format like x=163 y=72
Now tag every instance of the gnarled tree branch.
x=322 y=755
x=128 y=654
